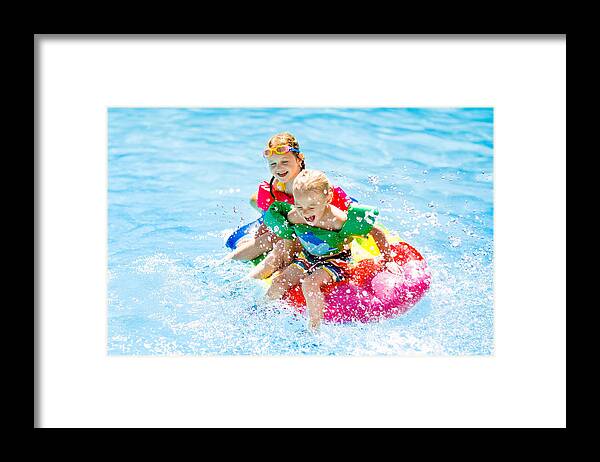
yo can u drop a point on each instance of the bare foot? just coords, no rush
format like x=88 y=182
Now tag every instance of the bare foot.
x=314 y=325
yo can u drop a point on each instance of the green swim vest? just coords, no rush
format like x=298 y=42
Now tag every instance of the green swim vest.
x=319 y=241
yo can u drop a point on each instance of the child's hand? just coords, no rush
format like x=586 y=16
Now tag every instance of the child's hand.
x=294 y=216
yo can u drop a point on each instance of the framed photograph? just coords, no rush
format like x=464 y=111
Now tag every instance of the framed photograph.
x=226 y=224
x=197 y=265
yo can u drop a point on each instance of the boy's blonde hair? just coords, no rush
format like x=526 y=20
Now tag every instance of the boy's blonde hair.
x=312 y=180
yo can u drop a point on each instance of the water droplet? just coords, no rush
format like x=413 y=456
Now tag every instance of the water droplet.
x=454 y=241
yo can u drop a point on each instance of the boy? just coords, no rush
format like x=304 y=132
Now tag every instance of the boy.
x=324 y=233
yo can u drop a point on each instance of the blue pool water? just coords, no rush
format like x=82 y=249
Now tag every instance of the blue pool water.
x=179 y=183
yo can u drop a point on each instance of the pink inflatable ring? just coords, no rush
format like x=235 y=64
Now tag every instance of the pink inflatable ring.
x=372 y=292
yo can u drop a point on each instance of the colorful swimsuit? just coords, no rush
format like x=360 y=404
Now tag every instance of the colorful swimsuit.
x=322 y=247
x=336 y=266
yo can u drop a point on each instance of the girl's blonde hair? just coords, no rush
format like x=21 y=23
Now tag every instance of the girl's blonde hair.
x=312 y=180
x=285 y=138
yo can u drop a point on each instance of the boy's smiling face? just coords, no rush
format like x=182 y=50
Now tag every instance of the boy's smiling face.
x=311 y=205
x=284 y=167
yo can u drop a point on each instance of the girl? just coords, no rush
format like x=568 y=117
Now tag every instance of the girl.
x=285 y=162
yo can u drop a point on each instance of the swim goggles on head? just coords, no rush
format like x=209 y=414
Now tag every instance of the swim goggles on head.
x=281 y=149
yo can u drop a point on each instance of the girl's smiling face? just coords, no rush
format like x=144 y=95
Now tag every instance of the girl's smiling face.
x=284 y=167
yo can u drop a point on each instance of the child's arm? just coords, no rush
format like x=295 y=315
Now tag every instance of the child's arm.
x=254 y=202
x=276 y=219
x=294 y=216
x=382 y=244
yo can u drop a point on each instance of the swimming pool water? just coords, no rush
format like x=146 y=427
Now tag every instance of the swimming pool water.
x=179 y=183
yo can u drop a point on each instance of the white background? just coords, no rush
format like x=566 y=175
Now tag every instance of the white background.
x=522 y=385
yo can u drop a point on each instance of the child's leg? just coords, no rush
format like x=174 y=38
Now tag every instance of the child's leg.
x=271 y=263
x=253 y=247
x=281 y=256
x=287 y=279
x=315 y=300
x=290 y=250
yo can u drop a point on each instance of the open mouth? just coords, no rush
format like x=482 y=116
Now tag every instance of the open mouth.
x=310 y=219
x=282 y=174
